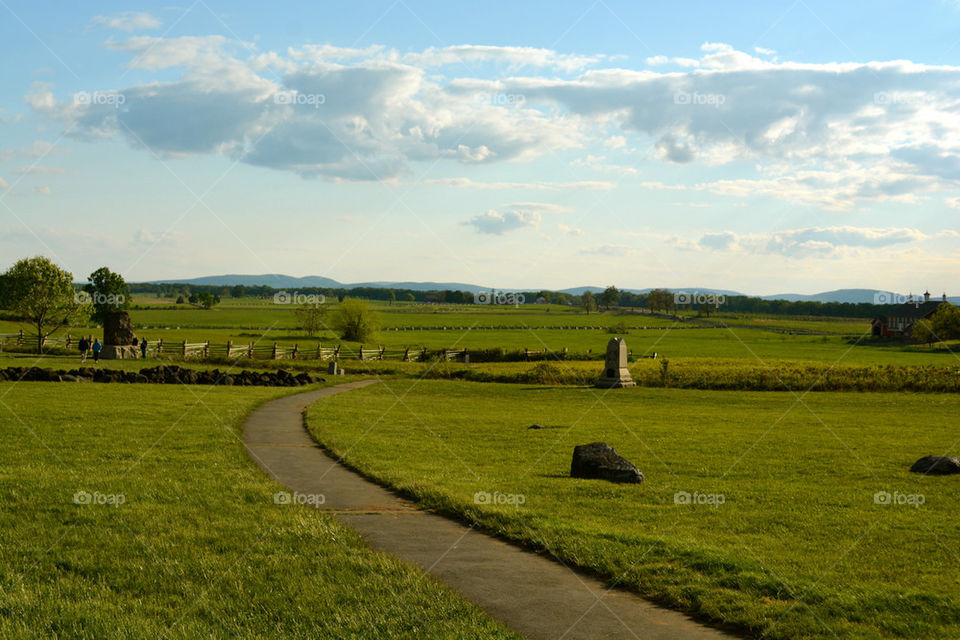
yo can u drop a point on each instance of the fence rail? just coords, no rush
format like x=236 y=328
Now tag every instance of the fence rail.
x=274 y=351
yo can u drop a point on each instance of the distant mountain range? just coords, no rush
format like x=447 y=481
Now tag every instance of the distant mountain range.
x=280 y=281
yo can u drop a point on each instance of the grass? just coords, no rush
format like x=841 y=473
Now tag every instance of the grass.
x=198 y=548
x=749 y=337
x=798 y=548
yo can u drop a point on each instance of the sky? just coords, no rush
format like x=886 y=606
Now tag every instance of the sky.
x=763 y=147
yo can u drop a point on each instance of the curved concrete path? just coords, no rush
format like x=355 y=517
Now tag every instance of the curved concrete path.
x=531 y=594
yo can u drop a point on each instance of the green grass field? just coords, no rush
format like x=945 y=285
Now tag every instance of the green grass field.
x=749 y=338
x=798 y=548
x=187 y=541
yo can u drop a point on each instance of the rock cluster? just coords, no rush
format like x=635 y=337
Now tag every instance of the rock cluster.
x=161 y=375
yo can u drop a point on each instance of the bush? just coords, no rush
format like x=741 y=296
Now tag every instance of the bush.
x=354 y=320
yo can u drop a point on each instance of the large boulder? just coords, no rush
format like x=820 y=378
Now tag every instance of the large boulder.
x=936 y=465
x=598 y=460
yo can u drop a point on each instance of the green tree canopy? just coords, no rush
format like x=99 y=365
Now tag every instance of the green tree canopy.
x=42 y=293
x=107 y=292
x=354 y=320
x=610 y=297
x=588 y=302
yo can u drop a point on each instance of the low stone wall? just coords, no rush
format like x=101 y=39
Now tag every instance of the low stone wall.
x=160 y=375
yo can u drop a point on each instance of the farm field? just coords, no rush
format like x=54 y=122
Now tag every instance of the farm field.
x=786 y=539
x=187 y=540
x=753 y=338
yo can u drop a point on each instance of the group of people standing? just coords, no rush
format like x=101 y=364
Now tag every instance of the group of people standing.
x=93 y=345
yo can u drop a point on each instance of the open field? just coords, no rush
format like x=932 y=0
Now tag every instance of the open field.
x=750 y=338
x=190 y=543
x=787 y=539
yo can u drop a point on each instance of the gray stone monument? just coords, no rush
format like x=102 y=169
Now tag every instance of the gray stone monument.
x=615 y=373
x=118 y=337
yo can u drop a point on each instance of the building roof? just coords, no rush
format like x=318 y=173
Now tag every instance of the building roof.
x=914 y=309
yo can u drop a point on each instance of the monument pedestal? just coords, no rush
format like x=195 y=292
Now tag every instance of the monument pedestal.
x=120 y=352
x=615 y=373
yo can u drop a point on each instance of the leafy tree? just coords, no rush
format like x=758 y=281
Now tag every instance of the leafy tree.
x=180 y=300
x=42 y=293
x=238 y=291
x=409 y=297
x=923 y=332
x=546 y=295
x=205 y=299
x=108 y=292
x=311 y=318
x=946 y=322
x=660 y=300
x=610 y=297
x=354 y=320
x=587 y=302
x=393 y=296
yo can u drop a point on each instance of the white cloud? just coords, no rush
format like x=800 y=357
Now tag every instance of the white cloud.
x=608 y=251
x=570 y=231
x=833 y=241
x=830 y=135
x=576 y=185
x=517 y=215
x=127 y=21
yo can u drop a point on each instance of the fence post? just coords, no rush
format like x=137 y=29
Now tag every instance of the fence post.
x=381 y=352
x=160 y=346
x=206 y=350
x=183 y=351
x=69 y=341
x=361 y=352
x=295 y=350
x=336 y=353
x=20 y=338
x=275 y=357
x=229 y=348
x=406 y=354
x=466 y=356
x=319 y=352
x=250 y=351
x=526 y=353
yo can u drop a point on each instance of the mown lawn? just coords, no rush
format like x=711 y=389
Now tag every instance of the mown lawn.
x=181 y=537
x=784 y=537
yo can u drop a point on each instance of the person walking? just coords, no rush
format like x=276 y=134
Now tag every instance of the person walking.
x=83 y=346
x=97 y=347
x=143 y=348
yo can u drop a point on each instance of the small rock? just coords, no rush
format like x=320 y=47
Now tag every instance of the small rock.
x=535 y=426
x=936 y=465
x=600 y=461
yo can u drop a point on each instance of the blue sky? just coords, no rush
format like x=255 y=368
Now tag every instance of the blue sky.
x=764 y=147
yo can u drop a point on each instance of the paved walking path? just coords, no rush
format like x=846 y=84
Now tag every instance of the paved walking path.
x=530 y=593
